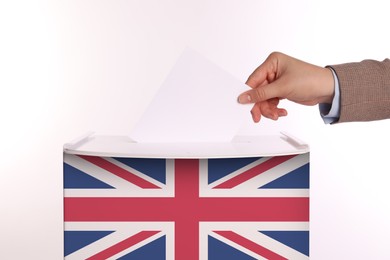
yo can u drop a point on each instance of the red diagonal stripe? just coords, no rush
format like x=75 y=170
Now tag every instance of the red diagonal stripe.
x=120 y=172
x=250 y=245
x=249 y=174
x=119 y=247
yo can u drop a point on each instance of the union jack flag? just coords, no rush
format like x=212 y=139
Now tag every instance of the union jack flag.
x=237 y=208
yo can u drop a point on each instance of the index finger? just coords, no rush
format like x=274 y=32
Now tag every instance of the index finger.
x=259 y=76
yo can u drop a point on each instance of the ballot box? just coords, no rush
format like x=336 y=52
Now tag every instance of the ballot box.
x=244 y=199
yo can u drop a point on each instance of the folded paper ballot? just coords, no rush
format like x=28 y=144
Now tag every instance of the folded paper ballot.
x=196 y=103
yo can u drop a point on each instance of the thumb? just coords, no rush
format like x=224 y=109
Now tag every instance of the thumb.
x=259 y=94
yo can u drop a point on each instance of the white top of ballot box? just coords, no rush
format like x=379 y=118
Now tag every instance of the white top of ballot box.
x=240 y=146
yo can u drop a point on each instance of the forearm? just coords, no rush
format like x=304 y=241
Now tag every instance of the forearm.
x=364 y=90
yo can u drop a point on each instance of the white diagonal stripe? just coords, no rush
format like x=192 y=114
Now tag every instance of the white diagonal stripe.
x=97 y=172
x=250 y=230
x=122 y=187
x=239 y=171
x=122 y=231
x=276 y=172
x=134 y=171
x=250 y=188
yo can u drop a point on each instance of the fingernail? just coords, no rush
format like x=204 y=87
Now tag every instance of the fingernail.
x=244 y=99
x=282 y=112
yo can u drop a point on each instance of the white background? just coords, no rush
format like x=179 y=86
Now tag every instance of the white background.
x=67 y=67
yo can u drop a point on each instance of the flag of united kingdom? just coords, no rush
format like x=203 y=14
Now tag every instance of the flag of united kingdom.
x=184 y=209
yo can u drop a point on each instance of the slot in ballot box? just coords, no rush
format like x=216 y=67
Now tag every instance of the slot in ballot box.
x=246 y=199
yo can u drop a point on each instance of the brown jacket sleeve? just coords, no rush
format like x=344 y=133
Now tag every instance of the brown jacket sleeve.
x=364 y=90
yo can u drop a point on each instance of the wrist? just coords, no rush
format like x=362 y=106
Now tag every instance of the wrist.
x=327 y=85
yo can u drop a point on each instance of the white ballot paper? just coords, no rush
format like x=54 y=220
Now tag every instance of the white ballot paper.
x=196 y=103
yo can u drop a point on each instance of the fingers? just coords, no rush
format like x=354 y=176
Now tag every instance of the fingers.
x=263 y=72
x=270 y=109
x=267 y=109
x=266 y=90
x=256 y=113
x=282 y=112
x=257 y=77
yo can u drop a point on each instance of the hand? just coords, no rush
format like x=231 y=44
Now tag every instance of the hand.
x=284 y=77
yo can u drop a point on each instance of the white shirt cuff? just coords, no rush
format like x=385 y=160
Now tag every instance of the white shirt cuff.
x=330 y=113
